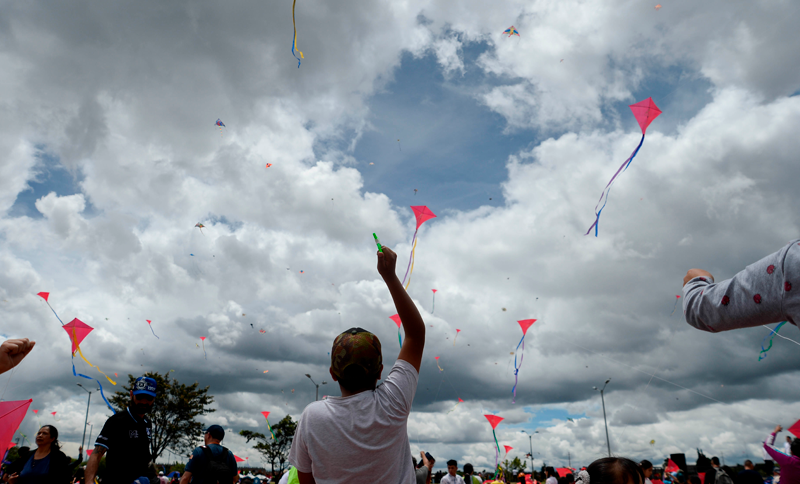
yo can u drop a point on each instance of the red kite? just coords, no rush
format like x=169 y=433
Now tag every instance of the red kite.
x=80 y=331
x=203 y=339
x=508 y=449
x=675 y=305
x=11 y=416
x=493 y=421
x=396 y=319
x=672 y=466
x=454 y=406
x=46 y=296
x=422 y=214
x=150 y=323
x=437 y=362
x=237 y=458
x=644 y=112
x=433 y=305
x=795 y=429
x=266 y=417
x=454 y=339
x=524 y=324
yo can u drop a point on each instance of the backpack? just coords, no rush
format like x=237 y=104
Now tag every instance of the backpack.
x=220 y=472
x=721 y=477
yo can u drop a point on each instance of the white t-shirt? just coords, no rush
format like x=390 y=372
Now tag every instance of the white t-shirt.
x=448 y=479
x=787 y=448
x=551 y=480
x=360 y=438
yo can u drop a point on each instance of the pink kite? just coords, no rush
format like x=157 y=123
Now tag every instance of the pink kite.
x=645 y=112
x=237 y=458
x=433 y=306
x=454 y=339
x=454 y=406
x=437 y=363
x=396 y=319
x=11 y=416
x=672 y=466
x=89 y=452
x=36 y=412
x=493 y=421
x=203 y=339
x=675 y=305
x=266 y=417
x=150 y=323
x=563 y=471
x=77 y=331
x=508 y=448
x=795 y=429
x=422 y=213
x=524 y=324
x=46 y=297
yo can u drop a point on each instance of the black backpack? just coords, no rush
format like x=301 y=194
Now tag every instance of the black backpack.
x=218 y=469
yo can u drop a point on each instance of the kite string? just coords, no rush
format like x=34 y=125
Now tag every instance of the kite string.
x=771 y=336
x=77 y=346
x=54 y=312
x=11 y=375
x=413 y=253
x=607 y=189
x=781 y=336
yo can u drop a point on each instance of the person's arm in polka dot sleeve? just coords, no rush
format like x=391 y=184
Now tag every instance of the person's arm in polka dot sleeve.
x=760 y=294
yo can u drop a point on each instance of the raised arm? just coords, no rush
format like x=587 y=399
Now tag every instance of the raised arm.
x=12 y=351
x=757 y=295
x=413 y=324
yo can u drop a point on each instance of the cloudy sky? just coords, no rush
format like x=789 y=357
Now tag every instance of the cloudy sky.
x=109 y=156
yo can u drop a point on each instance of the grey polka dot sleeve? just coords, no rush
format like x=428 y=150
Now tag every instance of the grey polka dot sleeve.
x=760 y=294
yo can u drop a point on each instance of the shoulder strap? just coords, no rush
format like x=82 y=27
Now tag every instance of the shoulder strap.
x=207 y=453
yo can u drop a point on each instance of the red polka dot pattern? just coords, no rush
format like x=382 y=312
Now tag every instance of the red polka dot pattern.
x=757 y=298
x=770 y=269
x=725 y=300
x=787 y=286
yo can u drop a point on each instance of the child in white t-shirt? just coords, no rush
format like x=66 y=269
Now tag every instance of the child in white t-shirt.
x=362 y=436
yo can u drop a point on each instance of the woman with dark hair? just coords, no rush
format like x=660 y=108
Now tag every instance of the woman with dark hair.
x=552 y=475
x=611 y=470
x=647 y=470
x=46 y=465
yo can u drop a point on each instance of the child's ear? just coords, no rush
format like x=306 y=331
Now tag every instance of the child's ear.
x=330 y=370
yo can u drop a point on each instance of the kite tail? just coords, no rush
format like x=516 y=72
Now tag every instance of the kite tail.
x=607 y=189
x=270 y=430
x=433 y=306
x=154 y=333
x=454 y=339
x=674 y=306
x=496 y=454
x=516 y=368
x=204 y=357
x=454 y=406
x=399 y=338
x=440 y=368
x=294 y=40
x=78 y=347
x=74 y=373
x=763 y=353
x=410 y=257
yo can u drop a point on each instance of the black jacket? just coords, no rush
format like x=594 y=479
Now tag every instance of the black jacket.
x=59 y=473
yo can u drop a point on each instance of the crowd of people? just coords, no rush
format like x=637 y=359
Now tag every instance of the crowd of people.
x=362 y=436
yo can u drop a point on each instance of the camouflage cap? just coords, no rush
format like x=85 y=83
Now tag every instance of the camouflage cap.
x=356 y=346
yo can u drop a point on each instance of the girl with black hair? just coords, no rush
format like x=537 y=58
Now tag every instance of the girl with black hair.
x=647 y=470
x=46 y=465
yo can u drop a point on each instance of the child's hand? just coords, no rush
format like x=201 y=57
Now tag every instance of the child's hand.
x=695 y=273
x=387 y=260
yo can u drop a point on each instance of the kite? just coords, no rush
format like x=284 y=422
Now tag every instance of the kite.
x=399 y=149
x=653 y=442
x=454 y=406
x=422 y=214
x=644 y=112
x=294 y=42
x=493 y=421
x=524 y=324
x=237 y=458
x=437 y=363
x=269 y=165
x=672 y=466
x=203 y=339
x=396 y=319
x=675 y=305
x=415 y=191
x=77 y=331
x=200 y=226
x=795 y=429
x=774 y=332
x=11 y=416
x=266 y=417
x=221 y=125
x=454 y=339
x=45 y=296
x=658 y=6
x=150 y=323
x=433 y=305
x=508 y=449
x=266 y=371
x=261 y=331
x=511 y=31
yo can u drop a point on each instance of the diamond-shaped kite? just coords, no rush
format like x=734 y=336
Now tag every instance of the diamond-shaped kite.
x=11 y=416
x=422 y=214
x=80 y=330
x=645 y=112
x=795 y=429
x=524 y=324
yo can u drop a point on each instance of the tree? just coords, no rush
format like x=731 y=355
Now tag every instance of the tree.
x=173 y=414
x=277 y=449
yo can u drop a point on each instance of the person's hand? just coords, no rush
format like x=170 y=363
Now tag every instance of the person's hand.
x=778 y=428
x=425 y=461
x=12 y=479
x=387 y=261
x=692 y=273
x=12 y=351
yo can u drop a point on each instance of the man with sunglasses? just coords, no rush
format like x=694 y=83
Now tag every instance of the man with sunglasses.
x=125 y=440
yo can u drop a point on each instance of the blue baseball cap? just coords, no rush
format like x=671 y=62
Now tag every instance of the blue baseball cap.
x=144 y=385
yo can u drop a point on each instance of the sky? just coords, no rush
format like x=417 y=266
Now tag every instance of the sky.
x=109 y=156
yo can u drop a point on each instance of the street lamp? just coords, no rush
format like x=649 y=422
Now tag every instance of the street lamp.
x=91 y=427
x=608 y=442
x=530 y=441
x=315 y=384
x=85 y=420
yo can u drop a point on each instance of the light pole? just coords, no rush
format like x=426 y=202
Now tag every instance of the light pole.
x=530 y=442
x=91 y=427
x=85 y=420
x=315 y=384
x=608 y=442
